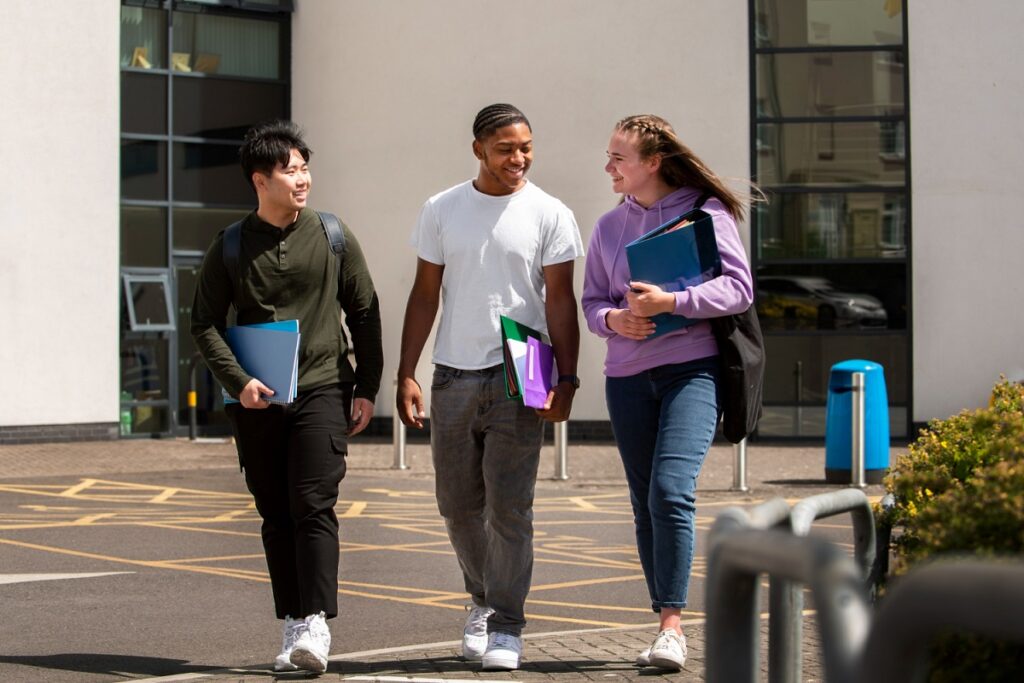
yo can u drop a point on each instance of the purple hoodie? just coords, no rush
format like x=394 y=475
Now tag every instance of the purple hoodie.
x=607 y=272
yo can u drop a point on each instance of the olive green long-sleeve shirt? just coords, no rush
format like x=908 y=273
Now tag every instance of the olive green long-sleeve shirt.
x=287 y=274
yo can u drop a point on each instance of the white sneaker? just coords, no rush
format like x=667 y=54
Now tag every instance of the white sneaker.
x=644 y=658
x=503 y=652
x=313 y=646
x=668 y=650
x=474 y=635
x=293 y=628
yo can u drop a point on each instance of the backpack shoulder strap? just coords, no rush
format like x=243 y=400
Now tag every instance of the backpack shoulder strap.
x=232 y=247
x=703 y=198
x=335 y=233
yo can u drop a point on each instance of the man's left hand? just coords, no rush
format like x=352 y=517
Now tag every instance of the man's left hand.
x=559 y=403
x=362 y=411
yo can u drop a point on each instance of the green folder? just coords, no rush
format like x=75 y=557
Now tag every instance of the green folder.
x=515 y=347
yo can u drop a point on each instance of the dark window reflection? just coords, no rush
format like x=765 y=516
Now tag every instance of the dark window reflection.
x=144 y=369
x=194 y=229
x=143 y=237
x=830 y=84
x=143 y=169
x=797 y=375
x=850 y=297
x=832 y=225
x=226 y=45
x=829 y=153
x=209 y=173
x=798 y=23
x=225 y=109
x=143 y=103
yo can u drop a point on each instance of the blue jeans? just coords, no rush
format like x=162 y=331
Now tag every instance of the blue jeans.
x=486 y=449
x=664 y=420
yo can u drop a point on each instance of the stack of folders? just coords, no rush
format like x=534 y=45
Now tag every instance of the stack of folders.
x=270 y=353
x=529 y=363
x=677 y=254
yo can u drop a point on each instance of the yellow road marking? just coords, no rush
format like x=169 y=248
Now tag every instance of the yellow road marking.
x=163 y=496
x=354 y=510
x=586 y=582
x=74 y=490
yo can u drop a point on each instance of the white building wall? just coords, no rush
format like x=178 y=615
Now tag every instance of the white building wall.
x=59 y=212
x=387 y=92
x=966 y=111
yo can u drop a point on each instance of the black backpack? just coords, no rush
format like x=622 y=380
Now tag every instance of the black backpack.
x=233 y=241
x=741 y=378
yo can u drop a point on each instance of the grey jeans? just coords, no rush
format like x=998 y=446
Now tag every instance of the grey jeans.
x=486 y=449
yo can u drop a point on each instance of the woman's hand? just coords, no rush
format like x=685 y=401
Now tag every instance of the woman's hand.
x=646 y=300
x=622 y=322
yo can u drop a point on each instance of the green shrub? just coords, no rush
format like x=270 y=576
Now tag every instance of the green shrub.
x=960 y=488
x=960 y=491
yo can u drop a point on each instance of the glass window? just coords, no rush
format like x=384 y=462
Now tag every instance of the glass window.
x=797 y=375
x=831 y=225
x=143 y=103
x=194 y=229
x=143 y=169
x=215 y=44
x=225 y=109
x=801 y=23
x=144 y=369
x=143 y=237
x=830 y=84
x=148 y=302
x=829 y=153
x=832 y=296
x=143 y=38
x=210 y=173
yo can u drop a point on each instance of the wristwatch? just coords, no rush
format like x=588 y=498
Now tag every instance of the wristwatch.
x=571 y=379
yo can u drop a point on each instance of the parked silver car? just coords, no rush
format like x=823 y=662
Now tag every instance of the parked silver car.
x=797 y=301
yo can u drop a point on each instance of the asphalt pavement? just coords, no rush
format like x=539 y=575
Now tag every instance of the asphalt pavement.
x=141 y=560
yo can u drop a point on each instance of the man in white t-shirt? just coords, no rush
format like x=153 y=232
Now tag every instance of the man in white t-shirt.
x=496 y=245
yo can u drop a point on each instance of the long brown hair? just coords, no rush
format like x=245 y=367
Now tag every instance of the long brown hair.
x=680 y=167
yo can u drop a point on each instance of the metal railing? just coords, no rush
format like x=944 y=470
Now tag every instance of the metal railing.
x=984 y=598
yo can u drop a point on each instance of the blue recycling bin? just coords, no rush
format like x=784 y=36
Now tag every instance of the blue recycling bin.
x=838 y=418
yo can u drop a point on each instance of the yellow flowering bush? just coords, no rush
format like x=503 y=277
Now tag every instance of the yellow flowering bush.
x=960 y=491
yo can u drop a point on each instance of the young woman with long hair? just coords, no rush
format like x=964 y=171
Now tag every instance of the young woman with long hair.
x=662 y=393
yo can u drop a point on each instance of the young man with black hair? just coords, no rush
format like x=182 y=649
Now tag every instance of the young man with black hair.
x=496 y=245
x=293 y=455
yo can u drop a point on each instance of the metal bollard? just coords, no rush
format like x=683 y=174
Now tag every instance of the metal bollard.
x=193 y=429
x=398 y=438
x=857 y=432
x=562 y=450
x=739 y=467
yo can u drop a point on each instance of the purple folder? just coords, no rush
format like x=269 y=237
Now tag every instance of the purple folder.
x=536 y=378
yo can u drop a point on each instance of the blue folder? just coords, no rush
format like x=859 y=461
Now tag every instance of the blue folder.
x=270 y=353
x=675 y=259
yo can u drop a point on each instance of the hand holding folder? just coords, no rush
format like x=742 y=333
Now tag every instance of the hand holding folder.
x=679 y=253
x=529 y=363
x=270 y=353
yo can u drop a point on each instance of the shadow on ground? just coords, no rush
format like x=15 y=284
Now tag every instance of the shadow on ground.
x=115 y=665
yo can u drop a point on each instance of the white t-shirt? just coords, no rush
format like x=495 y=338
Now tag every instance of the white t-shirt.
x=493 y=250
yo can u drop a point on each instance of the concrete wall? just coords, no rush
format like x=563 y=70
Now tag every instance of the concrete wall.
x=387 y=92
x=59 y=213
x=966 y=109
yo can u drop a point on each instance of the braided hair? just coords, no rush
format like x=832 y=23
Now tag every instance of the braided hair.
x=680 y=167
x=495 y=116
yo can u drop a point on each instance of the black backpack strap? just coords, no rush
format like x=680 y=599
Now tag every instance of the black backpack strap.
x=231 y=248
x=334 y=231
x=703 y=198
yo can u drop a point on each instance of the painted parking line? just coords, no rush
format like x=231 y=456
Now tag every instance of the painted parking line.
x=92 y=502
x=28 y=578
